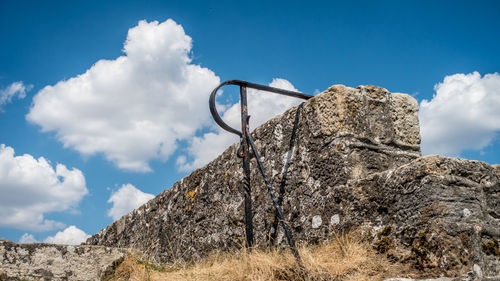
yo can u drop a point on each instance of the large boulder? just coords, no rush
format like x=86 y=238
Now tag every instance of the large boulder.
x=440 y=213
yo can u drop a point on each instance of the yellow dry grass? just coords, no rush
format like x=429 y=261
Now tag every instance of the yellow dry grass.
x=344 y=258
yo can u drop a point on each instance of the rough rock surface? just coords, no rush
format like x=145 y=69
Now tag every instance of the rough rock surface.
x=409 y=279
x=342 y=134
x=40 y=261
x=356 y=164
x=440 y=212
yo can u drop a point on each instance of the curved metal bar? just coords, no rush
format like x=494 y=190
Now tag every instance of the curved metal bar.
x=246 y=144
x=215 y=114
x=241 y=83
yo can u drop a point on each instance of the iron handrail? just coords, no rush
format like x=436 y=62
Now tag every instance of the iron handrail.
x=241 y=83
x=247 y=143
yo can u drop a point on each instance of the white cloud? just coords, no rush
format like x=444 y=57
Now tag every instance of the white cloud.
x=463 y=114
x=27 y=238
x=202 y=150
x=262 y=106
x=135 y=108
x=15 y=89
x=31 y=188
x=126 y=199
x=72 y=235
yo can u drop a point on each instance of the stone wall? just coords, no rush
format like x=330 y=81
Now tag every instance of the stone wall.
x=440 y=213
x=342 y=134
x=356 y=164
x=39 y=261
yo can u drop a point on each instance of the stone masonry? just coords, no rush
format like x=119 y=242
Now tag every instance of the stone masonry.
x=356 y=164
x=39 y=261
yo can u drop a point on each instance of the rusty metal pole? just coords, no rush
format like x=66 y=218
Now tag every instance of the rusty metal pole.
x=246 y=167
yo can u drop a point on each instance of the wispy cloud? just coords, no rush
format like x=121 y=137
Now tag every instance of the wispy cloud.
x=18 y=89
x=27 y=238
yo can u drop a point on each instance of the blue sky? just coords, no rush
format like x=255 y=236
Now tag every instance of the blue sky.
x=444 y=53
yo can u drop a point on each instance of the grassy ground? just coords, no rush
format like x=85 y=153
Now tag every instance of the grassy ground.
x=344 y=258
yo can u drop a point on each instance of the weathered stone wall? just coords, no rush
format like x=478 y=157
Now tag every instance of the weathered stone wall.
x=356 y=164
x=40 y=261
x=440 y=212
x=343 y=134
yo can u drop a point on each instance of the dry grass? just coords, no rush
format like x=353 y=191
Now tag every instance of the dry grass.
x=344 y=258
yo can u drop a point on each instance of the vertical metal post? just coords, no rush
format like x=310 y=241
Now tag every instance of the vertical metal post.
x=244 y=152
x=246 y=167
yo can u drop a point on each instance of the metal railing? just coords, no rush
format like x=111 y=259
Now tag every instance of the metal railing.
x=246 y=142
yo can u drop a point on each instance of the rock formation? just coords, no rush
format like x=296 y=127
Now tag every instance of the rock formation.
x=40 y=261
x=355 y=164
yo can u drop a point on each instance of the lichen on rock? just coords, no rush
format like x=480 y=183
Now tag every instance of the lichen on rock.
x=356 y=163
x=40 y=261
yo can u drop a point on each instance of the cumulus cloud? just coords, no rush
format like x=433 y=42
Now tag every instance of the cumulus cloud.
x=27 y=238
x=262 y=106
x=72 y=235
x=31 y=188
x=126 y=199
x=464 y=113
x=15 y=89
x=134 y=108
